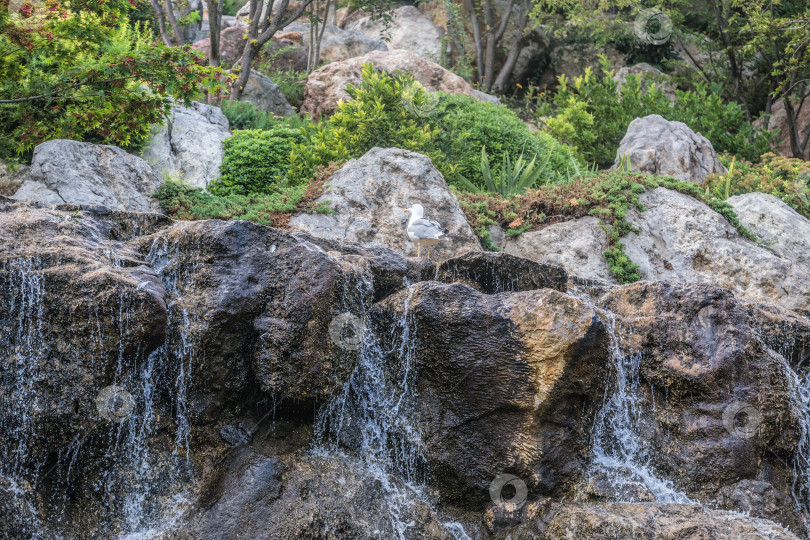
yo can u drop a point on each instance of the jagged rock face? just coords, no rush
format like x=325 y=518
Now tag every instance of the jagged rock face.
x=409 y=29
x=190 y=146
x=499 y=272
x=370 y=195
x=504 y=382
x=330 y=498
x=655 y=145
x=63 y=282
x=723 y=410
x=231 y=44
x=73 y=172
x=327 y=85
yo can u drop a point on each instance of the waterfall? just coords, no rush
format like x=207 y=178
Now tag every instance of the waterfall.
x=369 y=422
x=619 y=452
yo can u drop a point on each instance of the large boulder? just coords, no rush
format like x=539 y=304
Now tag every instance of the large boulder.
x=338 y=44
x=266 y=95
x=190 y=145
x=409 y=29
x=504 y=382
x=370 y=194
x=73 y=172
x=327 y=85
x=575 y=245
x=681 y=239
x=648 y=74
x=655 y=145
x=231 y=45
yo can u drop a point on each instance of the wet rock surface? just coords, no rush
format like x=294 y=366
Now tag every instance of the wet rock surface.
x=289 y=386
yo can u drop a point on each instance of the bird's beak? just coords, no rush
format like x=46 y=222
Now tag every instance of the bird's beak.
x=406 y=210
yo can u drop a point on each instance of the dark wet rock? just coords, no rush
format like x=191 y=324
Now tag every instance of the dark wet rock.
x=504 y=384
x=723 y=411
x=18 y=512
x=310 y=497
x=498 y=272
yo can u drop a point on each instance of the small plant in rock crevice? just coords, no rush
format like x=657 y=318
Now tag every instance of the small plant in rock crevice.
x=607 y=195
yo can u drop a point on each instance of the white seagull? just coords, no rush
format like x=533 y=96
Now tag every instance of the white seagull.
x=423 y=231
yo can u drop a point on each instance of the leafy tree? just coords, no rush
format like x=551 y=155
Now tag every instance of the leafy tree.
x=77 y=69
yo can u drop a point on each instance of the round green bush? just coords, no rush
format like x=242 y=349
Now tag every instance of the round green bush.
x=466 y=124
x=255 y=161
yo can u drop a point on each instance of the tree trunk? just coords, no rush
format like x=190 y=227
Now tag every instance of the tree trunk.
x=479 y=44
x=514 y=51
x=214 y=27
x=161 y=23
x=178 y=36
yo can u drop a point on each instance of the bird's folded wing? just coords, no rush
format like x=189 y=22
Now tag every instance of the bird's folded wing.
x=425 y=228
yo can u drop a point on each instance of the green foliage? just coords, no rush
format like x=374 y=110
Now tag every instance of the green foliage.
x=607 y=195
x=787 y=179
x=513 y=177
x=255 y=161
x=230 y=7
x=376 y=116
x=78 y=70
x=186 y=202
x=245 y=115
x=593 y=116
x=465 y=125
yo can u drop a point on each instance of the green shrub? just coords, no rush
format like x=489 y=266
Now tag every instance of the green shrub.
x=591 y=115
x=396 y=111
x=787 y=179
x=245 y=115
x=465 y=125
x=185 y=202
x=255 y=161
x=375 y=116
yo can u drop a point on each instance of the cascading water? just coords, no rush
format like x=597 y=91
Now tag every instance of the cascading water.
x=619 y=452
x=134 y=491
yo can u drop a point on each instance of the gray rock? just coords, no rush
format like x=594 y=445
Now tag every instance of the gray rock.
x=189 y=146
x=777 y=225
x=339 y=44
x=64 y=171
x=410 y=29
x=483 y=96
x=575 y=245
x=681 y=239
x=370 y=195
x=655 y=145
x=266 y=95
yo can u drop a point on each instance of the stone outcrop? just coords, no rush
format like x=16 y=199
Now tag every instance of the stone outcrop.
x=190 y=146
x=409 y=29
x=327 y=85
x=266 y=95
x=503 y=382
x=681 y=239
x=654 y=145
x=73 y=172
x=778 y=121
x=370 y=195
